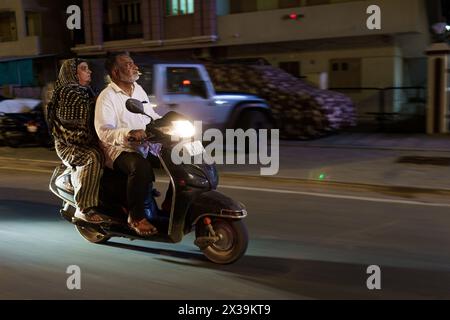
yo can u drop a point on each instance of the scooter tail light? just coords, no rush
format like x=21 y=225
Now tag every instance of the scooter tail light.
x=207 y=221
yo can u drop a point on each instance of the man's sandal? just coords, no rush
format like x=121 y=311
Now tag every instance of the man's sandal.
x=143 y=233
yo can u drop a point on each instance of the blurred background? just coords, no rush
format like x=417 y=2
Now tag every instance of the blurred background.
x=323 y=43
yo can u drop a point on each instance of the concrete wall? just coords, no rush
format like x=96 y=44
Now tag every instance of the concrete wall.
x=381 y=67
x=373 y=60
x=176 y=27
x=320 y=22
x=25 y=46
x=223 y=6
x=267 y=4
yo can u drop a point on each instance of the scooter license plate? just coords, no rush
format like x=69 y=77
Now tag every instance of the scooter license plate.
x=194 y=148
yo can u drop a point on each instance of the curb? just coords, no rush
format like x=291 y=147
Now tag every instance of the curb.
x=331 y=183
x=373 y=187
x=318 y=146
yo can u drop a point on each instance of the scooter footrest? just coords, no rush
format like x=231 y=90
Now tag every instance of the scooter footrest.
x=204 y=242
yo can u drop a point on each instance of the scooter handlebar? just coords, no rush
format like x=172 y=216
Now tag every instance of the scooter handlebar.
x=132 y=139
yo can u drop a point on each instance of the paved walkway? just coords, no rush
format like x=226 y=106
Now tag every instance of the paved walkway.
x=371 y=159
x=420 y=142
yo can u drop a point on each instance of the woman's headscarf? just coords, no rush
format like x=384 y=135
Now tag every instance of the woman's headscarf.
x=68 y=73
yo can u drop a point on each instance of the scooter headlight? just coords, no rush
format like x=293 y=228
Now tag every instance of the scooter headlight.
x=182 y=129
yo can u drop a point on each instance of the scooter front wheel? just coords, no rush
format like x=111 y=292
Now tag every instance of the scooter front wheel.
x=232 y=244
x=91 y=234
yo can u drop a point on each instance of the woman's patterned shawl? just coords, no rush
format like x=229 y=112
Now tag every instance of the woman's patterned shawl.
x=71 y=110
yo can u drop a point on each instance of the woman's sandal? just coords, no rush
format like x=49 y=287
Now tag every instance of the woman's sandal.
x=140 y=232
x=92 y=217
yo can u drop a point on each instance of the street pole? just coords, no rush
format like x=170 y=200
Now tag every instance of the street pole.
x=437 y=105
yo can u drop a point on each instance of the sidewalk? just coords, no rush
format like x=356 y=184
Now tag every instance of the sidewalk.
x=407 y=142
x=369 y=159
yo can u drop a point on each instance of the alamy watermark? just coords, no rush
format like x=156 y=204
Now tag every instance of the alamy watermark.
x=235 y=147
x=374 y=280
x=74 y=280
x=74 y=20
x=374 y=20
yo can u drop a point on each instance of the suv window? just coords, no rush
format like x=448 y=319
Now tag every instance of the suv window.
x=182 y=80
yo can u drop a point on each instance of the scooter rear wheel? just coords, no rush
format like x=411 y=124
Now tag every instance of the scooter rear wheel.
x=233 y=242
x=92 y=234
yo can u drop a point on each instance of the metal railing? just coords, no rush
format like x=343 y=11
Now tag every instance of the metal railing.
x=389 y=106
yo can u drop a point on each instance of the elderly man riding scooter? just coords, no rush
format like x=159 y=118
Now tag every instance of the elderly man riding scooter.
x=121 y=134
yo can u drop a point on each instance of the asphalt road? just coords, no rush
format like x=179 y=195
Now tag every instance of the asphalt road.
x=304 y=244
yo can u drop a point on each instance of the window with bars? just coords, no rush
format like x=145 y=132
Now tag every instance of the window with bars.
x=179 y=7
x=130 y=13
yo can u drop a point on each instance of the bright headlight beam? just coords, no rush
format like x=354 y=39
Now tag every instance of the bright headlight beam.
x=183 y=129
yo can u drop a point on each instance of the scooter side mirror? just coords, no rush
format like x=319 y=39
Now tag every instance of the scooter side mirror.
x=135 y=106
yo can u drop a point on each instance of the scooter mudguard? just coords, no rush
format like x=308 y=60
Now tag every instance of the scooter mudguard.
x=214 y=203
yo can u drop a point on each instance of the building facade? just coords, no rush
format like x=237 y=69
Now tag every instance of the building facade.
x=33 y=37
x=308 y=38
x=314 y=39
x=147 y=26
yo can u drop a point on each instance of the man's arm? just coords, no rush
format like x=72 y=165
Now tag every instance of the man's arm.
x=106 y=123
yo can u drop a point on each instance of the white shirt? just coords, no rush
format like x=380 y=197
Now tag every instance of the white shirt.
x=113 y=121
